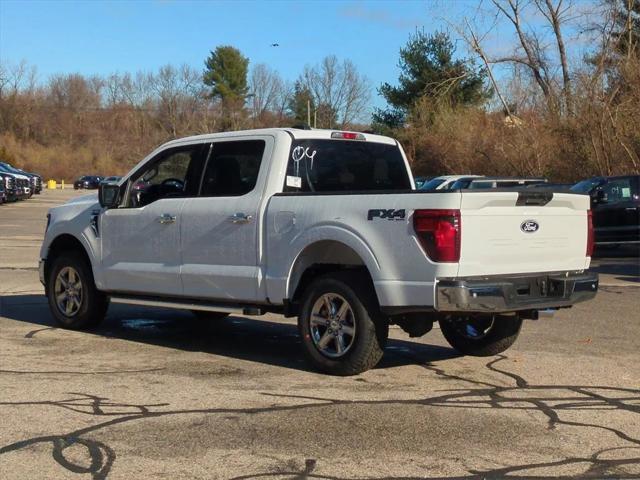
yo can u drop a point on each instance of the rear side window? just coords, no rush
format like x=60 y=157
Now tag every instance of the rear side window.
x=232 y=169
x=509 y=184
x=342 y=165
x=480 y=185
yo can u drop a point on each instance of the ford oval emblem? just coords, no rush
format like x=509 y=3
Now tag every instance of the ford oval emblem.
x=529 y=226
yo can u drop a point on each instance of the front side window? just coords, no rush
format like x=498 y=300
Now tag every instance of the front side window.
x=339 y=165
x=232 y=168
x=173 y=173
x=458 y=184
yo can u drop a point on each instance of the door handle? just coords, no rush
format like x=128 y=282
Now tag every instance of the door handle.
x=166 y=218
x=241 y=218
x=631 y=208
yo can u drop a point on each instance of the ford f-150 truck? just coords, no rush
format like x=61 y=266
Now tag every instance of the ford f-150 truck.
x=325 y=226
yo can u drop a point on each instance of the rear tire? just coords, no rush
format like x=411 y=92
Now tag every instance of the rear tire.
x=343 y=331
x=74 y=300
x=481 y=335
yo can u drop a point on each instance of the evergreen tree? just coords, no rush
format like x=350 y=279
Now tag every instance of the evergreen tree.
x=226 y=74
x=299 y=102
x=429 y=68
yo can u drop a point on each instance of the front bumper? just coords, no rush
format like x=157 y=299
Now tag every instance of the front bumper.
x=514 y=293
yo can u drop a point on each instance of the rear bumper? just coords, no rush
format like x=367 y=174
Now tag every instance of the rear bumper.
x=514 y=293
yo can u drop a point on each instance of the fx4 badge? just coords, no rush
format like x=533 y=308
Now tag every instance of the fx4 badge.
x=529 y=226
x=388 y=213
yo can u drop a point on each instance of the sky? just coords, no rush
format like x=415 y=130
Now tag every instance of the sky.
x=102 y=37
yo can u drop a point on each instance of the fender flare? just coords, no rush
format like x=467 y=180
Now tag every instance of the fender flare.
x=335 y=233
x=86 y=246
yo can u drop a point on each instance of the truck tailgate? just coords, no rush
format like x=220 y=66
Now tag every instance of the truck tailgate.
x=522 y=231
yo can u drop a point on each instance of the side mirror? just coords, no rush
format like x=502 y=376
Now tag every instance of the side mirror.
x=109 y=195
x=600 y=197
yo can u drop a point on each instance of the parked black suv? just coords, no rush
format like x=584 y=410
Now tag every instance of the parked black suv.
x=87 y=181
x=615 y=202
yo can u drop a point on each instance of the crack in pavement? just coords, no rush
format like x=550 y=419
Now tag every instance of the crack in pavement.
x=481 y=394
x=32 y=333
x=73 y=372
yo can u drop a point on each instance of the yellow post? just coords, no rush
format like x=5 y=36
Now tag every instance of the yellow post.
x=62 y=183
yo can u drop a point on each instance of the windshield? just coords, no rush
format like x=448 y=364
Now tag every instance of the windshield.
x=459 y=184
x=5 y=167
x=339 y=165
x=432 y=184
x=585 y=186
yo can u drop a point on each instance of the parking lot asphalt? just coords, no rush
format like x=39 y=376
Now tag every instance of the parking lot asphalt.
x=156 y=393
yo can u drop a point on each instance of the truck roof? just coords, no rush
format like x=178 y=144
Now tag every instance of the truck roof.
x=296 y=133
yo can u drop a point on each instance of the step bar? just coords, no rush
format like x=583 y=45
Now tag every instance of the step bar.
x=186 y=305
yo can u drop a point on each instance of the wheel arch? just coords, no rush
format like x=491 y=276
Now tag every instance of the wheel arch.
x=322 y=257
x=65 y=242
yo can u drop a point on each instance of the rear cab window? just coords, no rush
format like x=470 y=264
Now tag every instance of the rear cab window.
x=323 y=165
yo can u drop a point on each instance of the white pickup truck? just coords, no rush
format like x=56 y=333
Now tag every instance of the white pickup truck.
x=323 y=225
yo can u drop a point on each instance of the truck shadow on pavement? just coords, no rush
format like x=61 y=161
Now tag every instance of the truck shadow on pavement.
x=623 y=262
x=627 y=272
x=558 y=406
x=243 y=338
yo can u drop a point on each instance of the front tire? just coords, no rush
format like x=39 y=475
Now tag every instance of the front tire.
x=481 y=335
x=74 y=300
x=342 y=329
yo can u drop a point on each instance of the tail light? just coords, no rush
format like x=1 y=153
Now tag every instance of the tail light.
x=439 y=232
x=590 y=239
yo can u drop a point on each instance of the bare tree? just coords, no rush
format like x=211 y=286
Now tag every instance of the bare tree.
x=178 y=91
x=282 y=100
x=534 y=58
x=555 y=16
x=264 y=87
x=340 y=92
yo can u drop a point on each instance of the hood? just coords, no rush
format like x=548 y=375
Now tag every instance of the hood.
x=15 y=175
x=89 y=198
